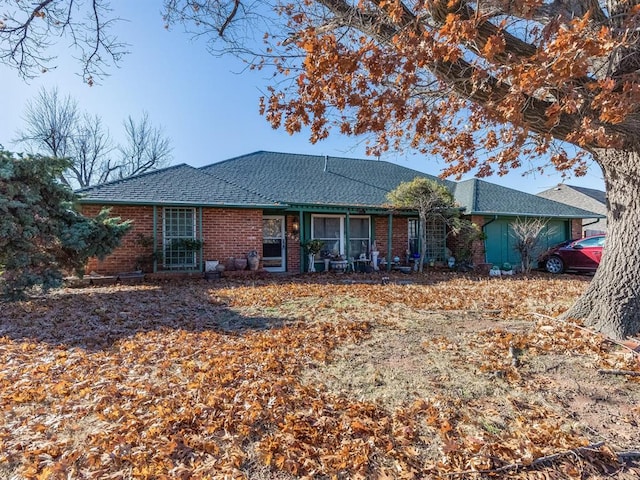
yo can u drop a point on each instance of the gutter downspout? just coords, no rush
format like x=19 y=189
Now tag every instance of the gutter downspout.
x=591 y=223
x=587 y=224
x=495 y=217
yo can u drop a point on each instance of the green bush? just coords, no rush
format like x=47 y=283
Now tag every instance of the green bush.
x=42 y=234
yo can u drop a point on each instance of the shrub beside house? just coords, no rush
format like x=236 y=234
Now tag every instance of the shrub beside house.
x=275 y=202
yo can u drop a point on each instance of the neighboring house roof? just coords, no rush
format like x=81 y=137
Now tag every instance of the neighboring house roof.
x=270 y=179
x=595 y=200
x=179 y=184
x=484 y=198
x=315 y=179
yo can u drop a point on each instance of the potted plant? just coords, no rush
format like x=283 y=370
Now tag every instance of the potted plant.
x=313 y=247
x=188 y=246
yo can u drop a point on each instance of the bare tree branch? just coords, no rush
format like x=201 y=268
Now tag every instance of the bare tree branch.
x=55 y=126
x=91 y=146
x=146 y=148
x=226 y=23
x=527 y=235
x=28 y=31
x=50 y=125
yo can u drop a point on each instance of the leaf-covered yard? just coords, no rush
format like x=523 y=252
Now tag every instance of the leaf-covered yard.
x=317 y=376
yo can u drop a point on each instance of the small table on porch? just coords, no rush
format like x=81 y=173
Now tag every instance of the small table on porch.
x=360 y=264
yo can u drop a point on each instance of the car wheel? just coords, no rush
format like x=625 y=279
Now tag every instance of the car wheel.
x=554 y=265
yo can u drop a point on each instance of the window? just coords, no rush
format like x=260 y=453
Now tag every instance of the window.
x=359 y=236
x=592 y=242
x=414 y=236
x=179 y=225
x=329 y=230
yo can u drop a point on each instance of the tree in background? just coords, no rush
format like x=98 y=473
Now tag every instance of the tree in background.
x=145 y=148
x=91 y=149
x=435 y=205
x=41 y=233
x=55 y=126
x=487 y=86
x=50 y=125
x=526 y=233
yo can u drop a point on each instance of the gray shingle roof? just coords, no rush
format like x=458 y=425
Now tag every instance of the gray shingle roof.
x=480 y=197
x=597 y=195
x=269 y=179
x=573 y=195
x=180 y=184
x=307 y=179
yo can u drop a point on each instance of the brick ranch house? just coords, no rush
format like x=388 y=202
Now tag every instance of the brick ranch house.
x=274 y=202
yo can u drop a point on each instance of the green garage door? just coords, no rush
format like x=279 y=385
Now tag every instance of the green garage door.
x=499 y=243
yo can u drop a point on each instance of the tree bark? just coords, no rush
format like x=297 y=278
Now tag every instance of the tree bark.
x=611 y=303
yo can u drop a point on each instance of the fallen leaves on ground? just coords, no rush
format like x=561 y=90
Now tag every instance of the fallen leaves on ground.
x=201 y=380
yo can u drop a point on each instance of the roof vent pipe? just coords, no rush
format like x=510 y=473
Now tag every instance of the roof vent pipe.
x=326 y=159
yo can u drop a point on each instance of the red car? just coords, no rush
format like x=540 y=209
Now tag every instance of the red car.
x=583 y=255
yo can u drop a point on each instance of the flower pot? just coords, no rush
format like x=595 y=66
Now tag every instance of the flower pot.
x=339 y=266
x=253 y=260
x=240 y=263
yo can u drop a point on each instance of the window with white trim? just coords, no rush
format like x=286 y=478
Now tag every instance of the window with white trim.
x=179 y=224
x=359 y=236
x=328 y=229
x=332 y=231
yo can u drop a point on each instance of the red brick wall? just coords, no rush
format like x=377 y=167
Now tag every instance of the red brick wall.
x=226 y=233
x=293 y=246
x=231 y=232
x=399 y=236
x=477 y=248
x=234 y=232
x=576 y=228
x=125 y=258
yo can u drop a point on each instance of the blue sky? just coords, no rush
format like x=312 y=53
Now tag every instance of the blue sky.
x=207 y=106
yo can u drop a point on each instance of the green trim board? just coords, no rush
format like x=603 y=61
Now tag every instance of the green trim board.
x=144 y=203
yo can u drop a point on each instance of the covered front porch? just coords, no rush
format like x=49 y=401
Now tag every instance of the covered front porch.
x=346 y=234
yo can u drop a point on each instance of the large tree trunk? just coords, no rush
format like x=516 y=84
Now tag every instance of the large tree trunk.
x=611 y=303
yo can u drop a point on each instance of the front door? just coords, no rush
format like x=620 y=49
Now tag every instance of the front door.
x=273 y=243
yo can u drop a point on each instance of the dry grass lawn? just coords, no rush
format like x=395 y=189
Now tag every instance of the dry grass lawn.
x=323 y=376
